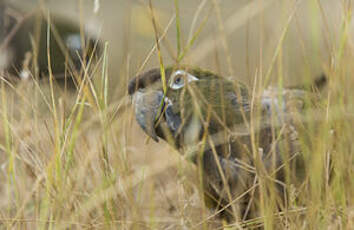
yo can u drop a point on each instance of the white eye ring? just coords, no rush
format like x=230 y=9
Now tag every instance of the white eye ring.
x=177 y=83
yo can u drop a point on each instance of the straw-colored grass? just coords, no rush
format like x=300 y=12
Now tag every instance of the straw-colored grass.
x=78 y=160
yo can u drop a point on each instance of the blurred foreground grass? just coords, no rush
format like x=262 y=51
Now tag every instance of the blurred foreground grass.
x=77 y=160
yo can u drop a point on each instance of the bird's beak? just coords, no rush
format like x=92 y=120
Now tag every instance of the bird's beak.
x=148 y=108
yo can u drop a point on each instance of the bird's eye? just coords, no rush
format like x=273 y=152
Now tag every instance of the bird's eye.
x=178 y=80
x=179 y=77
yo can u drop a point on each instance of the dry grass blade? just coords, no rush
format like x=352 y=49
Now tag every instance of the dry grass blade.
x=178 y=28
x=155 y=45
x=280 y=43
x=234 y=22
x=162 y=68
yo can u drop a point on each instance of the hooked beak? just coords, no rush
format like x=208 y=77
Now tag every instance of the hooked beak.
x=148 y=109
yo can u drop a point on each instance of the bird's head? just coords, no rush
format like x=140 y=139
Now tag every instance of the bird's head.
x=195 y=101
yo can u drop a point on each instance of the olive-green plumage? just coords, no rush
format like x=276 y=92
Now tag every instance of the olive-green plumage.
x=214 y=97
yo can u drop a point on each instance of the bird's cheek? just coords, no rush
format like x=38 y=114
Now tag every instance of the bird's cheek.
x=147 y=109
x=173 y=120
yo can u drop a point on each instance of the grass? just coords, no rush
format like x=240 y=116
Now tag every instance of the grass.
x=78 y=160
